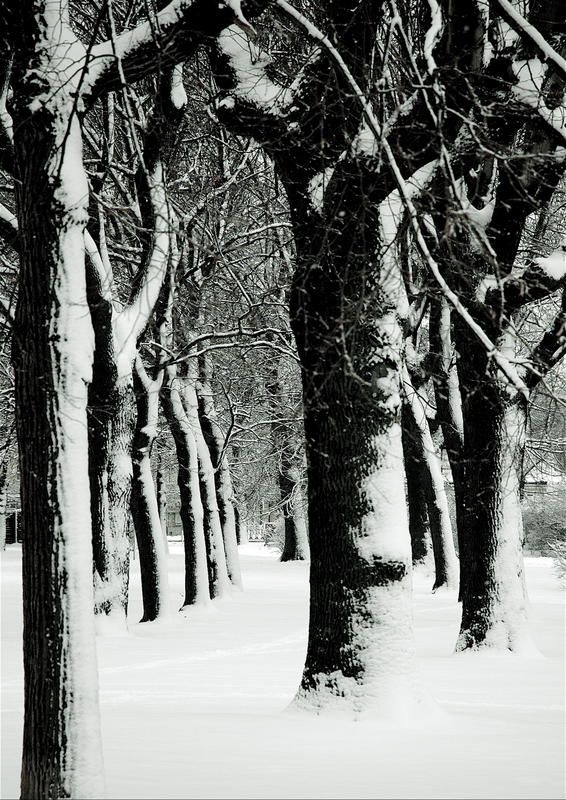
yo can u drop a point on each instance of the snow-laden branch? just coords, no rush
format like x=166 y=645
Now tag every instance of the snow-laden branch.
x=528 y=31
x=132 y=320
x=9 y=227
x=541 y=277
x=170 y=37
x=529 y=91
x=99 y=271
x=251 y=82
x=248 y=333
x=503 y=363
x=432 y=35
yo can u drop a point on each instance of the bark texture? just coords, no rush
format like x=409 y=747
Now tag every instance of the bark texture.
x=52 y=357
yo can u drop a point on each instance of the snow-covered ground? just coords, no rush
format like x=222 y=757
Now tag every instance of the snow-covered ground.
x=195 y=707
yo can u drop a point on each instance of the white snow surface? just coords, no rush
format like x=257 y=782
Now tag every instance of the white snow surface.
x=196 y=706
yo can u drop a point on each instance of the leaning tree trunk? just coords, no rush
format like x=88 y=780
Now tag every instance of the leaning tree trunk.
x=494 y=608
x=219 y=582
x=223 y=479
x=52 y=356
x=449 y=411
x=145 y=508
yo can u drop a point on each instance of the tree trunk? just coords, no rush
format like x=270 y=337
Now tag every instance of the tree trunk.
x=111 y=429
x=296 y=545
x=223 y=479
x=449 y=411
x=445 y=561
x=52 y=356
x=216 y=555
x=360 y=653
x=192 y=515
x=161 y=488
x=416 y=494
x=494 y=610
x=145 y=508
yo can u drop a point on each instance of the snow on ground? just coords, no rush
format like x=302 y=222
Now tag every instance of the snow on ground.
x=195 y=707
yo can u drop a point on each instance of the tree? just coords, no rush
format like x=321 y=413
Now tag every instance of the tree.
x=54 y=78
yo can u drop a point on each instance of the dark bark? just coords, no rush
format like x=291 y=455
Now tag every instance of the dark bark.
x=52 y=357
x=492 y=591
x=416 y=494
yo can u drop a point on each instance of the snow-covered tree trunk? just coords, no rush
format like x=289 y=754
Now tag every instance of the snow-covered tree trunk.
x=145 y=507
x=111 y=429
x=161 y=490
x=192 y=514
x=223 y=479
x=445 y=561
x=296 y=543
x=52 y=357
x=494 y=606
x=360 y=652
x=219 y=582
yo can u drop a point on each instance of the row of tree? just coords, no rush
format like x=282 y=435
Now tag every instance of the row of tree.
x=420 y=148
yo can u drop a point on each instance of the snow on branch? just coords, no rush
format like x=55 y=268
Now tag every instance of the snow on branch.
x=530 y=75
x=500 y=360
x=528 y=31
x=169 y=37
x=9 y=227
x=251 y=81
x=540 y=278
x=132 y=320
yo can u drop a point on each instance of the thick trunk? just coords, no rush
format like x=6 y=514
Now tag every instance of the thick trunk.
x=53 y=353
x=111 y=429
x=223 y=479
x=145 y=508
x=360 y=653
x=416 y=494
x=494 y=608
x=192 y=514
x=219 y=582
